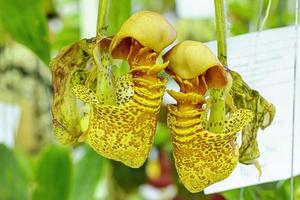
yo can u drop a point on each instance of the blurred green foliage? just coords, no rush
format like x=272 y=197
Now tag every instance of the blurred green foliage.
x=162 y=136
x=53 y=174
x=203 y=29
x=119 y=11
x=25 y=22
x=13 y=180
x=87 y=173
x=64 y=25
x=279 y=190
x=247 y=15
x=161 y=6
x=128 y=178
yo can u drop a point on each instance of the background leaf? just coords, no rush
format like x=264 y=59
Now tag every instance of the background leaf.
x=128 y=178
x=119 y=11
x=25 y=22
x=87 y=173
x=13 y=181
x=279 y=190
x=53 y=175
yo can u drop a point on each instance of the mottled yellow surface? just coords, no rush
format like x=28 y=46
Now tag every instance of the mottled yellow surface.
x=202 y=157
x=125 y=132
x=68 y=70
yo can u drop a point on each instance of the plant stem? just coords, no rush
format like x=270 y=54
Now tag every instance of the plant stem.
x=217 y=98
x=102 y=17
x=221 y=31
x=105 y=87
x=217 y=114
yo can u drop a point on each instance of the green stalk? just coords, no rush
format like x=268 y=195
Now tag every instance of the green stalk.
x=217 y=97
x=102 y=17
x=105 y=90
x=217 y=114
x=105 y=87
x=221 y=30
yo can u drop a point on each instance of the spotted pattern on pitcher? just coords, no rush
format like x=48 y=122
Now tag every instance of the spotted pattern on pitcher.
x=202 y=157
x=68 y=69
x=124 y=89
x=125 y=132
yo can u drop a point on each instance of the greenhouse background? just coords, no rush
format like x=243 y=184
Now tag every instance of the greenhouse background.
x=33 y=165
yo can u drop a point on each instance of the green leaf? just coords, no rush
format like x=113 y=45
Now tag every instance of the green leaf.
x=162 y=135
x=26 y=163
x=119 y=11
x=25 y=22
x=279 y=190
x=128 y=178
x=53 y=174
x=87 y=173
x=13 y=181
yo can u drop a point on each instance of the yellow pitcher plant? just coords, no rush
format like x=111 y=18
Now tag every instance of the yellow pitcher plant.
x=201 y=157
x=125 y=132
x=118 y=118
